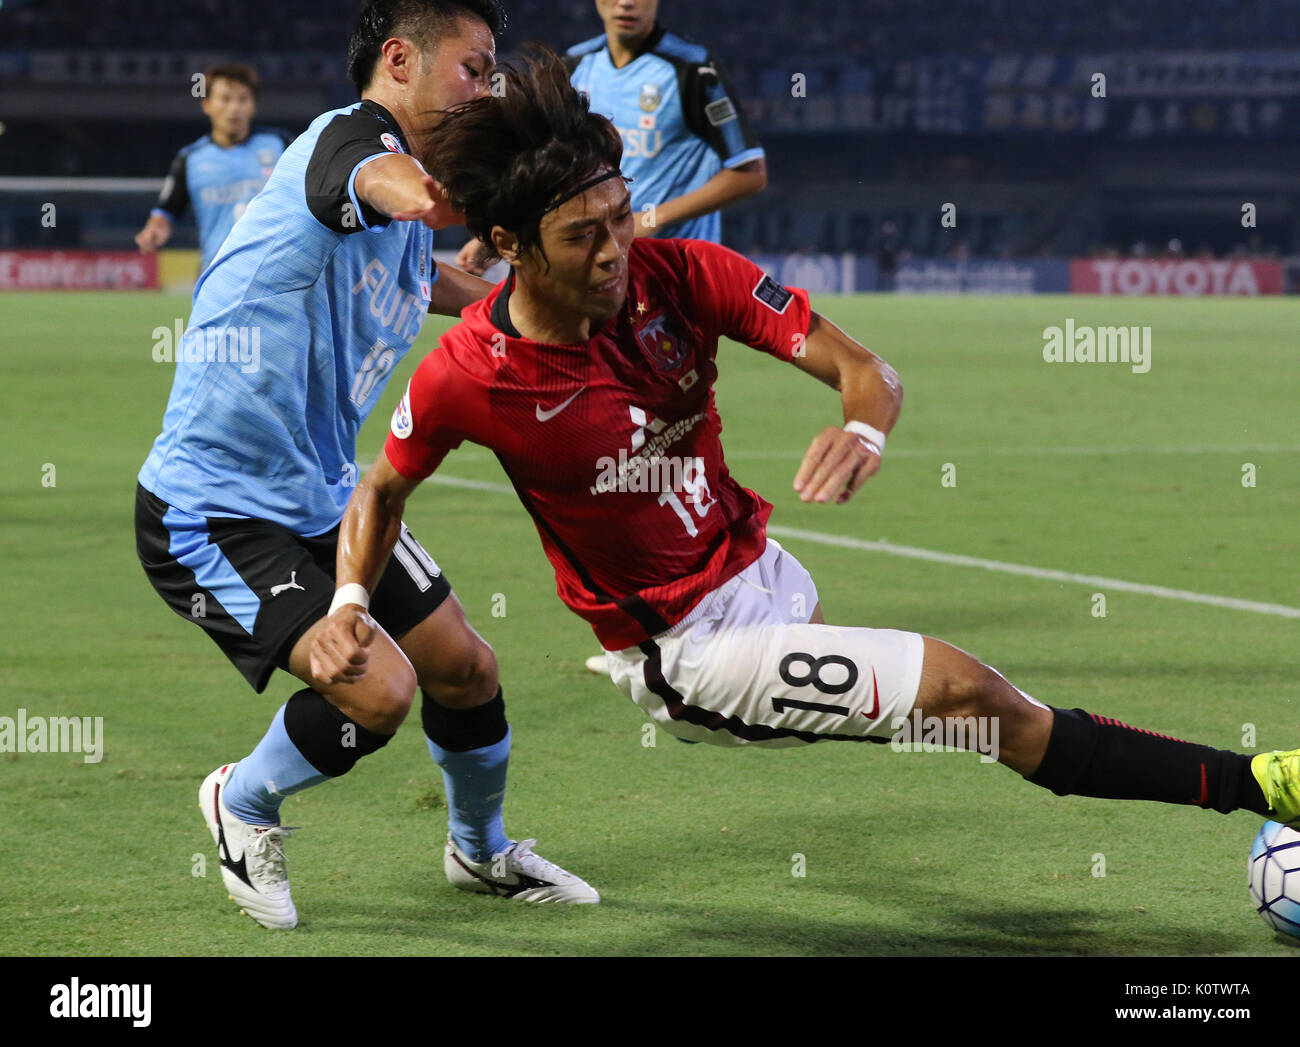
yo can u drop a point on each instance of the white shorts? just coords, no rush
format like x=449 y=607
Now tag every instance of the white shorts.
x=745 y=667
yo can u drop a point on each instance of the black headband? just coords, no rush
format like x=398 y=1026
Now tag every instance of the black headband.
x=616 y=173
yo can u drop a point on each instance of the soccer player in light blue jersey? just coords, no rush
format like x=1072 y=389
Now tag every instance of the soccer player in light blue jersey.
x=217 y=175
x=687 y=145
x=316 y=294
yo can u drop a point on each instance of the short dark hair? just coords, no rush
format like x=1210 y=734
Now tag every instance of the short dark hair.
x=506 y=158
x=237 y=72
x=418 y=19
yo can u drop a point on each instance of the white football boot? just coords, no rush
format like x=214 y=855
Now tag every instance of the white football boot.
x=598 y=664
x=252 y=857
x=517 y=873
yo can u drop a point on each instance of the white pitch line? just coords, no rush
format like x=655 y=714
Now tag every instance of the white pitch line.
x=957 y=560
x=1096 y=581
x=1031 y=452
x=472 y=485
x=796 y=454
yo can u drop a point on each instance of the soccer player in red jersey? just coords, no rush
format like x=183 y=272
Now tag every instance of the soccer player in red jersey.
x=589 y=372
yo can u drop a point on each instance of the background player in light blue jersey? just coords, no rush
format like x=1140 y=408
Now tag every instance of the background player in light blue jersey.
x=316 y=294
x=686 y=143
x=220 y=173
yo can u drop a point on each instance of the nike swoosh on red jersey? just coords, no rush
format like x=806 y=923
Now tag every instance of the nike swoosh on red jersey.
x=875 y=698
x=546 y=416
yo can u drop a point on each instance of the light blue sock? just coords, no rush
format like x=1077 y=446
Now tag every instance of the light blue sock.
x=476 y=791
x=263 y=778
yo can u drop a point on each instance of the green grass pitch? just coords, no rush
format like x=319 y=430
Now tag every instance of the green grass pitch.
x=1083 y=468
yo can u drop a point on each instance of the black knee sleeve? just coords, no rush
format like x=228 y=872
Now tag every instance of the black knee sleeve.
x=460 y=730
x=329 y=739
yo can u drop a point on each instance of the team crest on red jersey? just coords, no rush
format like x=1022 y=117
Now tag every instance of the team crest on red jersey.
x=662 y=345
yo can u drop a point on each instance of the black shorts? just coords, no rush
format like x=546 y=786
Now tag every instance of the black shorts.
x=255 y=587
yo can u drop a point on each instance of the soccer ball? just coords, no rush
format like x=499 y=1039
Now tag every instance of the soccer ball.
x=1274 y=877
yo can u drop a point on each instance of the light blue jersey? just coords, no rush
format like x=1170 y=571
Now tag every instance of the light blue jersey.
x=311 y=301
x=218 y=182
x=680 y=123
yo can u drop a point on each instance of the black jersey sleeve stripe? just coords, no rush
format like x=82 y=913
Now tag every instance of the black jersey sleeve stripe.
x=174 y=200
x=711 y=109
x=341 y=145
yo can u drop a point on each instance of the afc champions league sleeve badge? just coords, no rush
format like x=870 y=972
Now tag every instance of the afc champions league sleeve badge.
x=391 y=143
x=403 y=425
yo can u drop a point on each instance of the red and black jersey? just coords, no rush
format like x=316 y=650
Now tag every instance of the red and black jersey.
x=613 y=446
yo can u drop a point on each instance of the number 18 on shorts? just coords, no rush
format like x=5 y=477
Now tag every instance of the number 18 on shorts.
x=741 y=669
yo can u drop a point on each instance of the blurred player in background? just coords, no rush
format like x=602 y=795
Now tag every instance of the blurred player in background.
x=589 y=373
x=220 y=173
x=687 y=145
x=329 y=275
x=686 y=142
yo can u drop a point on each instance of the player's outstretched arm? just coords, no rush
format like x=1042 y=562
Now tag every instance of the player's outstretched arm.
x=839 y=461
x=453 y=290
x=475 y=257
x=723 y=189
x=371 y=526
x=173 y=202
x=156 y=232
x=399 y=187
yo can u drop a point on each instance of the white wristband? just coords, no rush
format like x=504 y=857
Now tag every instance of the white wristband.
x=350 y=593
x=869 y=431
